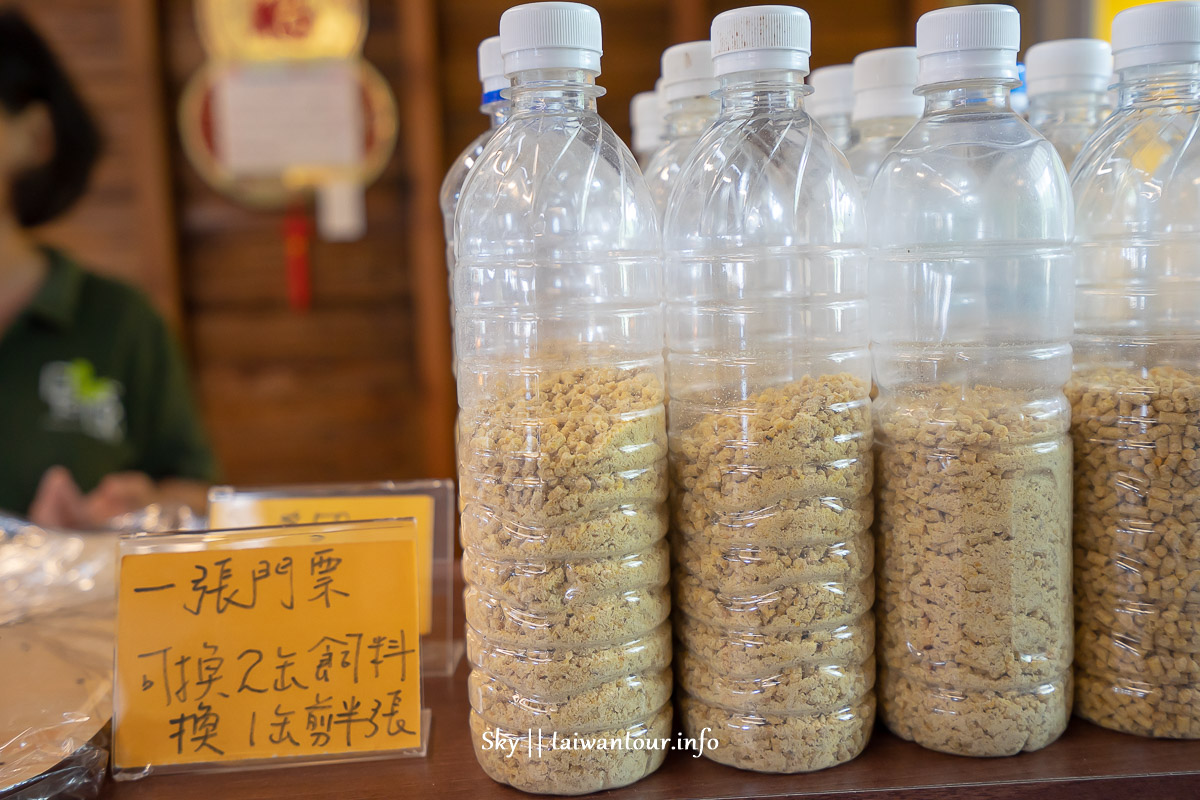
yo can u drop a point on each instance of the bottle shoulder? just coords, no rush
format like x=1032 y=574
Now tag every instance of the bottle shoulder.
x=866 y=154
x=1069 y=140
x=671 y=156
x=663 y=169
x=767 y=180
x=456 y=176
x=969 y=178
x=547 y=182
x=980 y=141
x=1140 y=172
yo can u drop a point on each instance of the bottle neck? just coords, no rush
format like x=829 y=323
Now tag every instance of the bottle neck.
x=769 y=90
x=967 y=97
x=884 y=127
x=1082 y=107
x=496 y=112
x=690 y=116
x=554 y=91
x=1160 y=83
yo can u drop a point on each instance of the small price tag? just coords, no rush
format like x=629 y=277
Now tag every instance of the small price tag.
x=232 y=509
x=290 y=642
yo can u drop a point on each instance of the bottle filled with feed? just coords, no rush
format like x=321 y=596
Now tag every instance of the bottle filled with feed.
x=971 y=286
x=770 y=420
x=1135 y=393
x=562 y=432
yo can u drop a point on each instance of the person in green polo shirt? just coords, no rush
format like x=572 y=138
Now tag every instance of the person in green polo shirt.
x=96 y=415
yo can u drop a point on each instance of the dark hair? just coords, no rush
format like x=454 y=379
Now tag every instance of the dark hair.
x=29 y=73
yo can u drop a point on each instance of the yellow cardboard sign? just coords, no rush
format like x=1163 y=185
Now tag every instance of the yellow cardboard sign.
x=245 y=510
x=300 y=644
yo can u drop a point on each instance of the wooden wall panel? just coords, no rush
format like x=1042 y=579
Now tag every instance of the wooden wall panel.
x=305 y=421
x=690 y=20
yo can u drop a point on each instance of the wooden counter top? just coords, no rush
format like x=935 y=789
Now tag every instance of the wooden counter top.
x=1087 y=762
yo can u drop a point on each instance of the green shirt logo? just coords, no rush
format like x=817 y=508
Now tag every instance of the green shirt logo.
x=80 y=400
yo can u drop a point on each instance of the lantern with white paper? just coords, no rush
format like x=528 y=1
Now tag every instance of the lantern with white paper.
x=286 y=109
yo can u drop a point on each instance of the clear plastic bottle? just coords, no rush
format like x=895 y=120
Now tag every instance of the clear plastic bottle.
x=1067 y=82
x=1135 y=394
x=493 y=104
x=687 y=88
x=770 y=418
x=562 y=432
x=971 y=307
x=832 y=102
x=647 y=125
x=885 y=107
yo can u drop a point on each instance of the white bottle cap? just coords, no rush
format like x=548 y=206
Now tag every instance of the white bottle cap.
x=645 y=117
x=761 y=37
x=967 y=43
x=550 y=36
x=1068 y=65
x=687 y=71
x=883 y=84
x=833 y=91
x=491 y=66
x=1159 y=33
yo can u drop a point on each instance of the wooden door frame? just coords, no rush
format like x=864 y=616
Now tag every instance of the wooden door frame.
x=152 y=172
x=421 y=154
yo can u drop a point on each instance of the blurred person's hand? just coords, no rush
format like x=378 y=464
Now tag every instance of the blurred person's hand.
x=117 y=494
x=59 y=503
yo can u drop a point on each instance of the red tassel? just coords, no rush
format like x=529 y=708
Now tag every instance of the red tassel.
x=297 y=238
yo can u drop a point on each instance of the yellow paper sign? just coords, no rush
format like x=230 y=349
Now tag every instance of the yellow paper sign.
x=244 y=510
x=268 y=644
